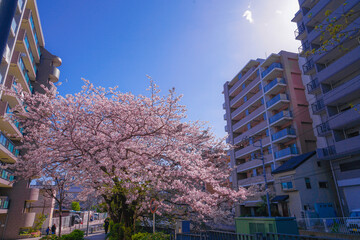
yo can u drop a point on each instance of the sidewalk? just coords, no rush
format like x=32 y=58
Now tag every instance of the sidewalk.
x=96 y=236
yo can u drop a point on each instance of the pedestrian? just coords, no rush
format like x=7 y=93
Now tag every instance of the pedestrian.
x=106 y=225
x=47 y=230
x=53 y=229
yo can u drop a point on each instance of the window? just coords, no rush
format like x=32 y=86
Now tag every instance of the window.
x=269 y=149
x=243 y=86
x=287 y=185
x=272 y=167
x=267 y=132
x=323 y=184
x=264 y=116
x=254 y=173
x=245 y=98
x=260 y=87
x=247 y=112
x=350 y=166
x=253 y=156
x=249 y=126
x=307 y=183
x=318 y=163
x=262 y=101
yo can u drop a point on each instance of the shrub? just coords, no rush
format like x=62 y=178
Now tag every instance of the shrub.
x=50 y=237
x=119 y=231
x=150 y=236
x=74 y=235
x=75 y=206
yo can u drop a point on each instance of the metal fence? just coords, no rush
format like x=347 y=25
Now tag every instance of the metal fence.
x=331 y=225
x=216 y=235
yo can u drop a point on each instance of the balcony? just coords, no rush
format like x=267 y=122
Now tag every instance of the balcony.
x=317 y=13
x=251 y=148
x=8 y=153
x=347 y=119
x=237 y=101
x=326 y=152
x=7 y=124
x=23 y=46
x=254 y=163
x=238 y=85
x=297 y=17
x=342 y=67
x=6 y=178
x=272 y=68
x=348 y=145
x=304 y=48
x=13 y=27
x=4 y=204
x=255 y=180
x=29 y=25
x=280 y=118
x=274 y=86
x=300 y=32
x=277 y=102
x=286 y=153
x=283 y=135
x=18 y=70
x=313 y=86
x=248 y=88
x=344 y=93
x=6 y=54
x=318 y=107
x=309 y=67
x=258 y=128
x=13 y=100
x=246 y=119
x=323 y=129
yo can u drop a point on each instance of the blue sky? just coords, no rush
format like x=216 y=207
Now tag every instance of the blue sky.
x=192 y=45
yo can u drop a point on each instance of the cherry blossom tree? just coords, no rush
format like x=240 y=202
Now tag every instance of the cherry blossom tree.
x=130 y=149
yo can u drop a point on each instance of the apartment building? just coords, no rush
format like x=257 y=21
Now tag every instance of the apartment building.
x=266 y=102
x=24 y=62
x=334 y=91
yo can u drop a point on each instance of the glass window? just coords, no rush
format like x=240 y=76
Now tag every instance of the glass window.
x=243 y=86
x=264 y=116
x=307 y=183
x=254 y=173
x=269 y=149
x=247 y=112
x=287 y=185
x=260 y=87
x=249 y=126
x=245 y=98
x=262 y=101
x=323 y=185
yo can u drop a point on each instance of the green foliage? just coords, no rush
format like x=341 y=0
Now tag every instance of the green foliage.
x=119 y=231
x=262 y=207
x=101 y=208
x=75 y=206
x=74 y=235
x=150 y=236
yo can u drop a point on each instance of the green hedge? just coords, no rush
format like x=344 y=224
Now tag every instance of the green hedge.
x=150 y=236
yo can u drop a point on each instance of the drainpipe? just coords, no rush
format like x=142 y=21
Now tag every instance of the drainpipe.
x=337 y=189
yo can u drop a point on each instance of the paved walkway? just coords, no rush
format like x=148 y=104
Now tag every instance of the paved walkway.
x=96 y=236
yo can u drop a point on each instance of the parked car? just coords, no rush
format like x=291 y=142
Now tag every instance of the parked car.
x=353 y=222
x=76 y=219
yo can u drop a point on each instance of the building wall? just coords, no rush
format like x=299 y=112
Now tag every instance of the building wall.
x=25 y=62
x=334 y=90
x=261 y=91
x=300 y=197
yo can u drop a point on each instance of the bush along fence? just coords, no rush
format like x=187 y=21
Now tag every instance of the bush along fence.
x=217 y=235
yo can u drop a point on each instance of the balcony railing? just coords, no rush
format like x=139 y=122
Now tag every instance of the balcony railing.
x=7 y=175
x=22 y=66
x=27 y=44
x=328 y=151
x=273 y=83
x=270 y=68
x=4 y=202
x=304 y=47
x=8 y=144
x=276 y=99
x=13 y=26
x=309 y=65
x=323 y=128
x=16 y=123
x=318 y=106
x=286 y=152
x=311 y=86
x=283 y=133
x=300 y=30
x=279 y=116
x=35 y=35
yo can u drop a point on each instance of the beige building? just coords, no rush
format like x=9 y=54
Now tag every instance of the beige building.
x=24 y=62
x=304 y=187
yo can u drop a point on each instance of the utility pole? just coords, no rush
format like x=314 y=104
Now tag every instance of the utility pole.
x=264 y=173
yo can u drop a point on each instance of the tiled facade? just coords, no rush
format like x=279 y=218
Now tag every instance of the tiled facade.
x=24 y=62
x=266 y=100
x=334 y=92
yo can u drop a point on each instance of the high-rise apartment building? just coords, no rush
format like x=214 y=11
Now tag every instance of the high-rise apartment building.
x=334 y=90
x=24 y=62
x=266 y=101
